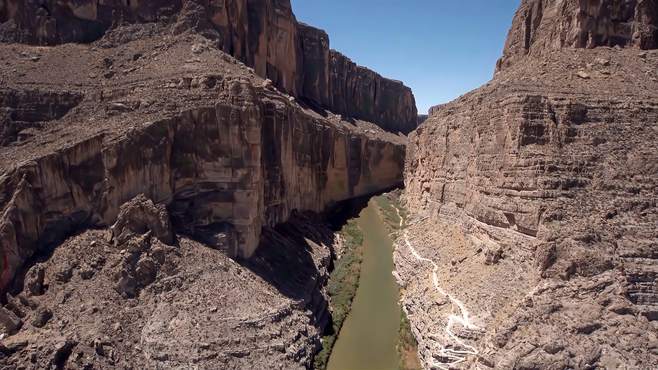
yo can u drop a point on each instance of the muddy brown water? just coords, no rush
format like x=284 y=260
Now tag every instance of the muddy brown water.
x=369 y=335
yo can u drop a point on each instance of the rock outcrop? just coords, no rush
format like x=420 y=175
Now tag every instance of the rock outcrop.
x=264 y=34
x=227 y=153
x=542 y=26
x=146 y=304
x=536 y=197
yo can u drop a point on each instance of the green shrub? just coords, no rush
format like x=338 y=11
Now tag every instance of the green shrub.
x=342 y=287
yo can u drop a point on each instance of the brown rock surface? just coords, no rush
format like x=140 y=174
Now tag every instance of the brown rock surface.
x=174 y=306
x=224 y=151
x=138 y=156
x=542 y=26
x=264 y=34
x=556 y=176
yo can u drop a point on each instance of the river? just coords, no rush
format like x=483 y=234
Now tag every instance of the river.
x=368 y=338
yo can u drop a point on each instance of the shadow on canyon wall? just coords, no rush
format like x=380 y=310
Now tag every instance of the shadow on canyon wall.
x=290 y=255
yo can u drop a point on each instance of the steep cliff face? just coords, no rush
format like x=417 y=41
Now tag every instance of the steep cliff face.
x=536 y=197
x=338 y=84
x=541 y=26
x=262 y=33
x=227 y=153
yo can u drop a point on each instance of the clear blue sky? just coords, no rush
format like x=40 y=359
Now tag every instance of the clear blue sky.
x=440 y=48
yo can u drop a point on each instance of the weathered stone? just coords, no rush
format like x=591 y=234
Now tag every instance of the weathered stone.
x=140 y=216
x=34 y=280
x=41 y=317
x=262 y=33
x=9 y=321
x=493 y=255
x=531 y=163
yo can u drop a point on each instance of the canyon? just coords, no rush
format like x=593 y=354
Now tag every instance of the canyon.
x=167 y=172
x=174 y=175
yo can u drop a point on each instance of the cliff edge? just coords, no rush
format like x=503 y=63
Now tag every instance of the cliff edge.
x=264 y=34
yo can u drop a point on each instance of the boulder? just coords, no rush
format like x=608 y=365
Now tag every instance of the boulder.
x=9 y=322
x=140 y=216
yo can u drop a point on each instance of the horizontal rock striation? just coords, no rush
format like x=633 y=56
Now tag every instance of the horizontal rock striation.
x=336 y=83
x=227 y=154
x=540 y=26
x=264 y=34
x=140 y=302
x=536 y=197
x=22 y=111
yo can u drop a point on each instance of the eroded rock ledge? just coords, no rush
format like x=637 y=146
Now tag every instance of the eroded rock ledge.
x=227 y=152
x=536 y=197
x=264 y=34
x=541 y=26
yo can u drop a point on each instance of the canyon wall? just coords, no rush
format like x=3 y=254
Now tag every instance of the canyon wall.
x=176 y=119
x=225 y=171
x=262 y=33
x=541 y=26
x=338 y=84
x=165 y=169
x=536 y=197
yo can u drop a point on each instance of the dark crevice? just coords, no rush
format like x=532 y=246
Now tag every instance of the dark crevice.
x=45 y=8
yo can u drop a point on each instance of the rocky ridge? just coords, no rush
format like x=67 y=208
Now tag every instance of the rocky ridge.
x=264 y=34
x=536 y=197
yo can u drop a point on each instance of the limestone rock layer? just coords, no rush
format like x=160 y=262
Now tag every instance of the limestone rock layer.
x=262 y=33
x=226 y=152
x=536 y=197
x=541 y=26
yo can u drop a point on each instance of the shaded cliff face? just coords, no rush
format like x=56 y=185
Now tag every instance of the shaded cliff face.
x=541 y=26
x=536 y=197
x=138 y=301
x=225 y=151
x=262 y=33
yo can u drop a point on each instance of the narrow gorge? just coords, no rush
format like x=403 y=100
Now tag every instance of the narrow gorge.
x=198 y=184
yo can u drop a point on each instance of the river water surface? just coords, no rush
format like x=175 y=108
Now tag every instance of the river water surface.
x=368 y=338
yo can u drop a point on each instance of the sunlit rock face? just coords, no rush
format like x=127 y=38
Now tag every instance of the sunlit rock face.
x=535 y=194
x=541 y=26
x=263 y=33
